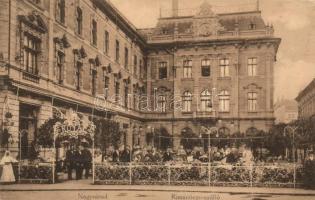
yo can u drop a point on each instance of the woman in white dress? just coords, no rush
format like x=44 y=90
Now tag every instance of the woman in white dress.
x=7 y=175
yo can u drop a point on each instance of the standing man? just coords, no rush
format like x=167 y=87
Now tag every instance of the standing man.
x=87 y=160
x=79 y=163
x=70 y=161
x=125 y=155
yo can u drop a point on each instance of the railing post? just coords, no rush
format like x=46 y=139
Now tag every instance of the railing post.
x=169 y=174
x=251 y=175
x=294 y=175
x=130 y=173
x=209 y=174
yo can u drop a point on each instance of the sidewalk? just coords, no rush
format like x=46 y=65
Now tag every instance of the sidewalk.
x=87 y=186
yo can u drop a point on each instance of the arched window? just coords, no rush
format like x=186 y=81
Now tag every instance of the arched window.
x=224 y=131
x=224 y=101
x=187 y=99
x=162 y=139
x=206 y=101
x=189 y=139
x=79 y=20
x=252 y=131
x=60 y=13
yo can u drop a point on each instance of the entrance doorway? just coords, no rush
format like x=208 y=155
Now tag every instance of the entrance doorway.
x=28 y=130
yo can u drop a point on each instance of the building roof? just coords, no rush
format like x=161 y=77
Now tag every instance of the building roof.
x=306 y=90
x=122 y=22
x=204 y=23
x=230 y=22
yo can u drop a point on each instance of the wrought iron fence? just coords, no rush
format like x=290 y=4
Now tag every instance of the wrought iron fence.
x=35 y=173
x=286 y=175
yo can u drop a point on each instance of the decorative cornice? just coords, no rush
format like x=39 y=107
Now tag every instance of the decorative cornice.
x=34 y=21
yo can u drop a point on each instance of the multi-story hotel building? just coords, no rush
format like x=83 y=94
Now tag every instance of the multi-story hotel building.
x=208 y=69
x=306 y=102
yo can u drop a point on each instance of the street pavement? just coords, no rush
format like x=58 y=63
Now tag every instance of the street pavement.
x=84 y=190
x=143 y=195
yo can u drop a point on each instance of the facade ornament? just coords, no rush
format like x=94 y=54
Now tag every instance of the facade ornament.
x=206 y=22
x=205 y=10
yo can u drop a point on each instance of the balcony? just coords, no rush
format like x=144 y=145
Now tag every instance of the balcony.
x=30 y=77
x=205 y=114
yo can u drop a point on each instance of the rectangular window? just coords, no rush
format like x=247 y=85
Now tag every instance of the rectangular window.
x=126 y=96
x=106 y=42
x=78 y=74
x=106 y=87
x=94 y=32
x=60 y=66
x=252 y=66
x=224 y=101
x=126 y=58
x=31 y=51
x=141 y=69
x=205 y=68
x=135 y=97
x=94 y=81
x=187 y=69
x=162 y=70
x=117 y=91
x=117 y=51
x=252 y=101
x=224 y=67
x=161 y=103
x=135 y=65
x=60 y=11
x=79 y=21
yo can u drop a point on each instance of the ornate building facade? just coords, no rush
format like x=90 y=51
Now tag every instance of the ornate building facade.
x=189 y=72
x=306 y=102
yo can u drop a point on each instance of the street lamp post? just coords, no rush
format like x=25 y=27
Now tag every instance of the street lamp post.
x=293 y=130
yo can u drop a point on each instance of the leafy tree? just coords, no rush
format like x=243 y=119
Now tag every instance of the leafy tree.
x=45 y=135
x=162 y=139
x=107 y=133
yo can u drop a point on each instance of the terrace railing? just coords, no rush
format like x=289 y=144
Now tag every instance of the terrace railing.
x=201 y=174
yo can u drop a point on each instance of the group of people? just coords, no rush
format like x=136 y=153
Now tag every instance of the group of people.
x=150 y=154
x=78 y=159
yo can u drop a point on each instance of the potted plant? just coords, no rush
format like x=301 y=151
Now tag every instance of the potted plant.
x=8 y=115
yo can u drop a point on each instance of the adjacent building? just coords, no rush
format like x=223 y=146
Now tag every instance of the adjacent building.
x=306 y=102
x=204 y=70
x=286 y=111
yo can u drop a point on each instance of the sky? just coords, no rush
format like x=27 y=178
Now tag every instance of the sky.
x=293 y=20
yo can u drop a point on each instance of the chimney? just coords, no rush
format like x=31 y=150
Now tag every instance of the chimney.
x=175 y=8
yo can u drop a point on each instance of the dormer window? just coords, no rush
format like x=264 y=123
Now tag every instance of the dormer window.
x=252 y=26
x=164 y=31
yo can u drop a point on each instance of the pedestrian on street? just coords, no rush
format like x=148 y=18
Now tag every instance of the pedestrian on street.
x=79 y=161
x=70 y=162
x=125 y=155
x=87 y=161
x=7 y=175
x=116 y=155
x=309 y=168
